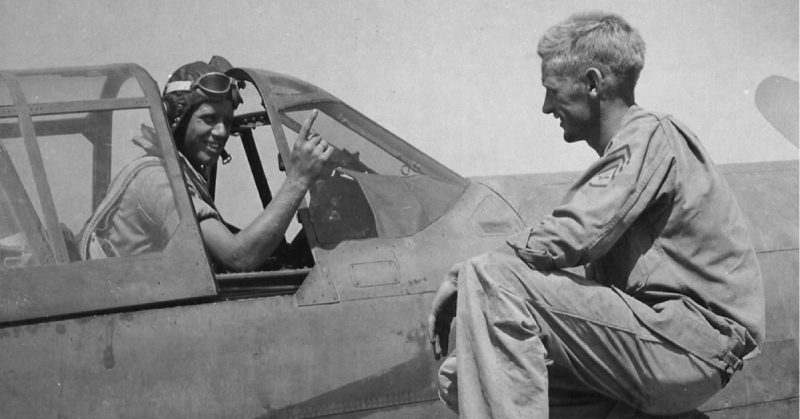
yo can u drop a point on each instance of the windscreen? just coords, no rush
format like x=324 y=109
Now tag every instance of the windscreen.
x=376 y=190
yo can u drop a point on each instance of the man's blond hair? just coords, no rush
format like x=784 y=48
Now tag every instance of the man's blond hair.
x=594 y=39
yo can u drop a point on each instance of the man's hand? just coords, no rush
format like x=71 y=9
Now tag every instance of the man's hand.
x=310 y=155
x=442 y=312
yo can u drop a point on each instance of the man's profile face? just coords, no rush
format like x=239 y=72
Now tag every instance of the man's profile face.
x=567 y=99
x=207 y=132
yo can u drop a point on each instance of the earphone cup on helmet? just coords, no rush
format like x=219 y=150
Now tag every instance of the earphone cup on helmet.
x=171 y=107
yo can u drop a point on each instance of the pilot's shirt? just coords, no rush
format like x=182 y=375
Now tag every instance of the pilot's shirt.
x=147 y=216
x=654 y=219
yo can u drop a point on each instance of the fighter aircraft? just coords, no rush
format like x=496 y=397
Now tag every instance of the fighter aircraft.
x=336 y=328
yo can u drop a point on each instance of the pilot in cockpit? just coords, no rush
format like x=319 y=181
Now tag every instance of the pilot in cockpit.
x=199 y=101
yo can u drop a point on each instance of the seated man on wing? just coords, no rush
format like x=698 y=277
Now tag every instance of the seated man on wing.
x=670 y=299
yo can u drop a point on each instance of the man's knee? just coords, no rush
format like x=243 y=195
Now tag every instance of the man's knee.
x=489 y=260
x=493 y=271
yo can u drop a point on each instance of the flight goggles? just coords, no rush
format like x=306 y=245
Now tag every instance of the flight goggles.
x=213 y=86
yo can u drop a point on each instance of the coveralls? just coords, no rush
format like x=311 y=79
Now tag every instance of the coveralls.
x=667 y=302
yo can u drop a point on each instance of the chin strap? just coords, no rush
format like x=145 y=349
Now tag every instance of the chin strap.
x=226 y=158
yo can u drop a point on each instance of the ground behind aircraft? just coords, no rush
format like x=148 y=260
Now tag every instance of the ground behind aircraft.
x=336 y=326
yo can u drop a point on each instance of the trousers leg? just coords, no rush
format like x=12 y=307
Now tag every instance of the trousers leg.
x=501 y=356
x=498 y=351
x=513 y=321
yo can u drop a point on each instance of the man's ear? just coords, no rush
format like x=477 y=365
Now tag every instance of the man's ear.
x=593 y=80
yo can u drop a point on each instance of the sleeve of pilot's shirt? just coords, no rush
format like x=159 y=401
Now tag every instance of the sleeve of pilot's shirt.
x=202 y=209
x=604 y=201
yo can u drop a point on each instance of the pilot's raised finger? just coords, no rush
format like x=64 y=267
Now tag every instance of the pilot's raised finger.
x=305 y=129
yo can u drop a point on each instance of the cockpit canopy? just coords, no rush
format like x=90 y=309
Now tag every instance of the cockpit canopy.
x=65 y=134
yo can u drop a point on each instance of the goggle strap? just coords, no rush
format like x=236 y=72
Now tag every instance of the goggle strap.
x=178 y=86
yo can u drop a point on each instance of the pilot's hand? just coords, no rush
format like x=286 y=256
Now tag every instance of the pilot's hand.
x=442 y=312
x=311 y=154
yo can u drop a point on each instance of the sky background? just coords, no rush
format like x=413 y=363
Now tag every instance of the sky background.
x=459 y=79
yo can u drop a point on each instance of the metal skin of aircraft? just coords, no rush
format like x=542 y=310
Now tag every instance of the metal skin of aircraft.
x=336 y=326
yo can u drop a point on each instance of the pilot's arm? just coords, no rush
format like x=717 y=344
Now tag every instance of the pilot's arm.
x=249 y=248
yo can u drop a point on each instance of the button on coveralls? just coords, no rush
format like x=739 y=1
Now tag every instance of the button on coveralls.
x=668 y=300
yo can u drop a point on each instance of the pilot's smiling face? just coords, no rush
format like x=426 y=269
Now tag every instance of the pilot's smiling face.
x=207 y=133
x=567 y=99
